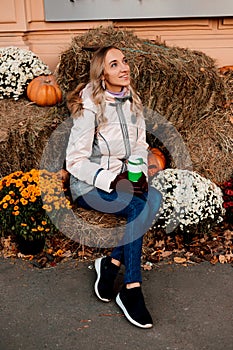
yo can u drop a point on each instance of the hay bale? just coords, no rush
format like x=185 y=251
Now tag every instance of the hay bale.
x=24 y=134
x=227 y=76
x=210 y=144
x=179 y=83
x=92 y=228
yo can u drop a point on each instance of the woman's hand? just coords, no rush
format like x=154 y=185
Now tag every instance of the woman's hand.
x=141 y=185
x=122 y=183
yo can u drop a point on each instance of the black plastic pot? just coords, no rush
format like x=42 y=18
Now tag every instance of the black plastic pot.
x=32 y=247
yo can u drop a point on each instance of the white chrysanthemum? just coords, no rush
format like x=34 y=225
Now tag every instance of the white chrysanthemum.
x=188 y=199
x=17 y=68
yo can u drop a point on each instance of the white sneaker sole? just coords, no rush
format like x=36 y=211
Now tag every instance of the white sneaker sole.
x=130 y=319
x=98 y=268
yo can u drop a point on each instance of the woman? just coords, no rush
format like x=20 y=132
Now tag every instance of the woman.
x=108 y=128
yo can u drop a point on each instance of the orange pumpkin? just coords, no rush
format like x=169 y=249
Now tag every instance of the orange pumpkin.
x=156 y=161
x=44 y=91
x=225 y=69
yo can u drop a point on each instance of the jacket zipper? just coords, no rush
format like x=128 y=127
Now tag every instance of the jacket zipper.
x=107 y=148
x=124 y=129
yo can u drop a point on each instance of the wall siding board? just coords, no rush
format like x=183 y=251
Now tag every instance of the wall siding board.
x=9 y=14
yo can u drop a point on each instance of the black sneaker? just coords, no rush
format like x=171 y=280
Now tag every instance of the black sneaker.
x=106 y=274
x=132 y=303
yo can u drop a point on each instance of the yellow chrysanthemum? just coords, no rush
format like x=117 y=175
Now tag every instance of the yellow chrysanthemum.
x=48 y=199
x=23 y=201
x=57 y=205
x=68 y=205
x=34 y=171
x=17 y=173
x=32 y=199
x=25 y=194
x=25 y=177
x=31 y=187
x=47 y=207
x=37 y=192
x=18 y=183
x=5 y=205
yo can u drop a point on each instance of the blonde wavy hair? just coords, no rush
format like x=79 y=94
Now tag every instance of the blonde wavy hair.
x=74 y=100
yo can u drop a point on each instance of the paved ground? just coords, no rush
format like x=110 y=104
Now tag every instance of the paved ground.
x=56 y=308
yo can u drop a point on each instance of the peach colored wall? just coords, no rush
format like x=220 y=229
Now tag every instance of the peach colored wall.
x=22 y=24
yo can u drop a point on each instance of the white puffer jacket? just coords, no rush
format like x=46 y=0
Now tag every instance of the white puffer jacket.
x=96 y=154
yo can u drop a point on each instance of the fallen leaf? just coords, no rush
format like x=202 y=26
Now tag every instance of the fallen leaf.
x=179 y=260
x=229 y=257
x=214 y=260
x=67 y=254
x=83 y=327
x=59 y=252
x=26 y=257
x=166 y=253
x=6 y=242
x=228 y=234
x=159 y=243
x=81 y=253
x=222 y=259
x=188 y=255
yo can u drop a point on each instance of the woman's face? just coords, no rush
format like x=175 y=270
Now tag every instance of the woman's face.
x=116 y=70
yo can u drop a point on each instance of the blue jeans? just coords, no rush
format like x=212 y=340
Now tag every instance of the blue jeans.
x=139 y=212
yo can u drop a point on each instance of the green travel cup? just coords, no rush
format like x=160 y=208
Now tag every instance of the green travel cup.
x=134 y=168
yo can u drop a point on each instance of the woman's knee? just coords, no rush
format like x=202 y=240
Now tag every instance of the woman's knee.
x=155 y=197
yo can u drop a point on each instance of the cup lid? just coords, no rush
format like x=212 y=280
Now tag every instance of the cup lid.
x=135 y=160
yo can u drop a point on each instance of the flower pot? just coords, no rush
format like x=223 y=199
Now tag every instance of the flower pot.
x=32 y=247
